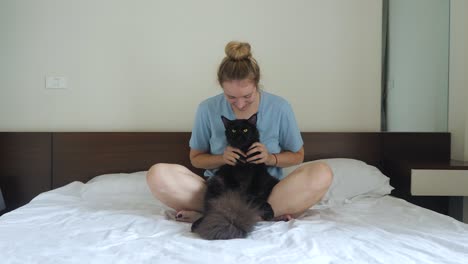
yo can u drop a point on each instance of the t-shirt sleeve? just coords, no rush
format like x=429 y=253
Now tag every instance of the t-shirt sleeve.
x=200 y=138
x=290 y=135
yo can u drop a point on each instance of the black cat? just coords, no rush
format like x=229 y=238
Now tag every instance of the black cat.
x=236 y=196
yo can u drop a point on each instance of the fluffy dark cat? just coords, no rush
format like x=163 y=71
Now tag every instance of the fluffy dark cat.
x=236 y=196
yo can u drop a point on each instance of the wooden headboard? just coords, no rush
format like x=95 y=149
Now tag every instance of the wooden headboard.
x=31 y=163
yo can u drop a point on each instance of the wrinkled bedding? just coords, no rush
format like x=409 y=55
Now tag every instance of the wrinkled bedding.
x=72 y=225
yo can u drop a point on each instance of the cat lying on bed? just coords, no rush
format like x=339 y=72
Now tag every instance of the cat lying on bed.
x=237 y=195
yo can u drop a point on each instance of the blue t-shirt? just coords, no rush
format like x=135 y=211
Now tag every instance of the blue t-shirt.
x=275 y=122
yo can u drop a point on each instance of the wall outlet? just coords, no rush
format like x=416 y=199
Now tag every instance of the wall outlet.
x=56 y=82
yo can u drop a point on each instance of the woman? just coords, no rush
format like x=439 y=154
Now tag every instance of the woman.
x=280 y=145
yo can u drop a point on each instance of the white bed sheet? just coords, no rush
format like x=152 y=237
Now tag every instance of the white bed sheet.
x=65 y=226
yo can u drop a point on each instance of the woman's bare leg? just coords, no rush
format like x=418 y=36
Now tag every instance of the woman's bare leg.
x=179 y=188
x=300 y=190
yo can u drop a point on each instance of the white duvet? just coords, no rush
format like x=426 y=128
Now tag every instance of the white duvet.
x=82 y=223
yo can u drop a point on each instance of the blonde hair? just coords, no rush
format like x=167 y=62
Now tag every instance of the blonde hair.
x=238 y=64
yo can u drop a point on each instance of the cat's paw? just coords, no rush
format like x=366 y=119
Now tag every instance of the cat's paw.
x=267 y=212
x=196 y=224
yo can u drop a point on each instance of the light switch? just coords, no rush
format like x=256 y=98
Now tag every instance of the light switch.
x=56 y=82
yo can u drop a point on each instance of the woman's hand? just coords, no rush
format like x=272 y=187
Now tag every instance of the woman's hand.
x=258 y=153
x=232 y=155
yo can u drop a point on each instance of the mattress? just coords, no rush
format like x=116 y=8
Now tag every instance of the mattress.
x=103 y=223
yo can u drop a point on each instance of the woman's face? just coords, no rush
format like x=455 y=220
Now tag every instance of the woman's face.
x=240 y=93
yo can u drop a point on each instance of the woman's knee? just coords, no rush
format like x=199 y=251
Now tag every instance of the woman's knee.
x=156 y=176
x=319 y=175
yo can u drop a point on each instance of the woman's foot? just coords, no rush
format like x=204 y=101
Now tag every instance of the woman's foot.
x=192 y=216
x=184 y=216
x=285 y=218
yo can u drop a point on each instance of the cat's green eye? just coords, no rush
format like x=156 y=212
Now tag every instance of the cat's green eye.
x=233 y=130
x=245 y=130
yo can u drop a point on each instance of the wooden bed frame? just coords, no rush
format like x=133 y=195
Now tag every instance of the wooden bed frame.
x=31 y=163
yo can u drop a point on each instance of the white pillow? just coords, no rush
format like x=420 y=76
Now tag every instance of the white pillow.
x=351 y=179
x=125 y=185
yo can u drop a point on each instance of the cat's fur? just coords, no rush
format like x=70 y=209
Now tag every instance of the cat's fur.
x=236 y=196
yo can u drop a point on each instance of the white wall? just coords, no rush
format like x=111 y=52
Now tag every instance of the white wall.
x=418 y=65
x=145 y=65
x=458 y=107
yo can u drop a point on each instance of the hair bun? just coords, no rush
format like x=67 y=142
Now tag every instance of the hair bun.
x=238 y=50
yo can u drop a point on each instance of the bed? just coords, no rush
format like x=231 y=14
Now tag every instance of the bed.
x=98 y=209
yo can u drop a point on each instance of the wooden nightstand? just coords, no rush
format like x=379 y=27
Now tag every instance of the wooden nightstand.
x=440 y=179
x=443 y=179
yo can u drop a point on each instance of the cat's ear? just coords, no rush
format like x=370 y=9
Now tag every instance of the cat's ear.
x=253 y=119
x=226 y=121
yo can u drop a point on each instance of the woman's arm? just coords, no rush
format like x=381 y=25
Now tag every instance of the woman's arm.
x=203 y=160
x=282 y=159
x=288 y=158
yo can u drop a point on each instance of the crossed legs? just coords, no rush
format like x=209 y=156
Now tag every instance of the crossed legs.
x=179 y=188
